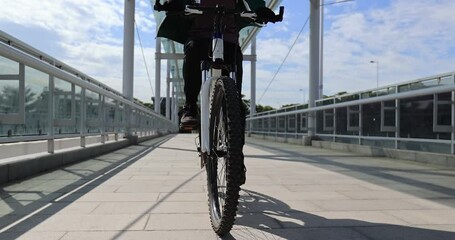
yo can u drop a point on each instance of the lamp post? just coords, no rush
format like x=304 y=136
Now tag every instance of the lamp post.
x=377 y=71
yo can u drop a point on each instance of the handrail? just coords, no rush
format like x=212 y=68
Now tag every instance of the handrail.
x=420 y=116
x=29 y=60
x=415 y=93
x=143 y=120
x=24 y=47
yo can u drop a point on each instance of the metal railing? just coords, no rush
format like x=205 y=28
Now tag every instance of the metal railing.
x=42 y=98
x=415 y=115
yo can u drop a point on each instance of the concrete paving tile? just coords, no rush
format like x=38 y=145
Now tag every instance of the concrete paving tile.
x=316 y=179
x=119 y=197
x=32 y=196
x=101 y=189
x=116 y=208
x=365 y=205
x=380 y=194
x=247 y=205
x=6 y=208
x=58 y=185
x=98 y=235
x=22 y=185
x=73 y=208
x=325 y=187
x=32 y=235
x=297 y=234
x=305 y=194
x=310 y=195
x=448 y=204
x=404 y=233
x=439 y=227
x=270 y=189
x=181 y=207
x=426 y=216
x=59 y=222
x=153 y=188
x=182 y=197
x=357 y=218
x=135 y=173
x=256 y=220
x=178 y=221
x=134 y=235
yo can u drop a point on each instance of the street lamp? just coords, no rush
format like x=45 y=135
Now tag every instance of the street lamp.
x=377 y=71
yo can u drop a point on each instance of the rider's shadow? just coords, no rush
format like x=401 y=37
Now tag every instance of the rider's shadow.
x=264 y=217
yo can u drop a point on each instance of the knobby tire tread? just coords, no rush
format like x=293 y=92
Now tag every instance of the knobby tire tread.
x=234 y=153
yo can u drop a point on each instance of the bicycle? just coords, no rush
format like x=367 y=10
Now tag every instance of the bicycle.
x=222 y=122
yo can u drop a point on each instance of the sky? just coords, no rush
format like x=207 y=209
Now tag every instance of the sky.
x=409 y=39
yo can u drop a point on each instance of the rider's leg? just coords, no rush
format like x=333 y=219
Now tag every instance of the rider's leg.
x=195 y=51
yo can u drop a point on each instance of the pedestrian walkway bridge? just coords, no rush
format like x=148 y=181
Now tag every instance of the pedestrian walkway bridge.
x=80 y=160
x=156 y=190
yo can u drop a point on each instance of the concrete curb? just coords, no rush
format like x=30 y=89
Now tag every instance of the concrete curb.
x=422 y=157
x=17 y=168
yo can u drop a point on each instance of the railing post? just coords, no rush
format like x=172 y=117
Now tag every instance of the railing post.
x=397 y=122
x=83 y=117
x=103 y=118
x=168 y=86
x=334 y=124
x=315 y=84
x=128 y=57
x=452 y=145
x=157 y=101
x=50 y=141
x=360 y=123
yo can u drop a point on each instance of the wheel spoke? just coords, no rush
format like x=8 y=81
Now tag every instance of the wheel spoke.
x=221 y=160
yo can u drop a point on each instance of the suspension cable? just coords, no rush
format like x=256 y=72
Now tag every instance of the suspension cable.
x=336 y=2
x=143 y=56
x=285 y=58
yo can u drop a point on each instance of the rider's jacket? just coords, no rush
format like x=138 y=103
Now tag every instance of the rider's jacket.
x=202 y=26
x=196 y=27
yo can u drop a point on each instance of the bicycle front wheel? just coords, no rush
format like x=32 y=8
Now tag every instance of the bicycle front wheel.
x=224 y=165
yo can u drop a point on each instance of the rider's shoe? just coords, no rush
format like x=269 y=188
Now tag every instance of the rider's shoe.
x=190 y=116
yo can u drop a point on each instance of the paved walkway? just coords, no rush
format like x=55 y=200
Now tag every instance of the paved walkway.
x=157 y=191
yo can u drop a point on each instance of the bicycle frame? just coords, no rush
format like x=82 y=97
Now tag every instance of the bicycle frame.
x=217 y=59
x=220 y=146
x=207 y=89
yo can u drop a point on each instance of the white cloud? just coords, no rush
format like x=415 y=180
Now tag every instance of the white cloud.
x=410 y=39
x=73 y=21
x=89 y=34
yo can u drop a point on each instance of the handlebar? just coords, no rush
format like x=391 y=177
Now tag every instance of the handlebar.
x=262 y=15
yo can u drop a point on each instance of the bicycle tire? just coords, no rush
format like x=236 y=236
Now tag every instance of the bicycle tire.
x=224 y=165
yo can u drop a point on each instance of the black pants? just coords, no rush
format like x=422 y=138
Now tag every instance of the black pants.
x=201 y=50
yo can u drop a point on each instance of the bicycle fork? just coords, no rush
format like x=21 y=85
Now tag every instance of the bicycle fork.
x=206 y=96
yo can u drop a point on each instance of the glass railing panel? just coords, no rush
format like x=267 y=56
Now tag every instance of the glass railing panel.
x=8 y=67
x=36 y=102
x=9 y=96
x=63 y=98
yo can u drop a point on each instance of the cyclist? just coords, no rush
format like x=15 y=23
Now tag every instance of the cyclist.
x=195 y=33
